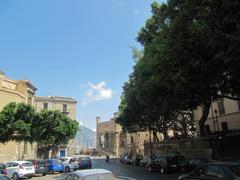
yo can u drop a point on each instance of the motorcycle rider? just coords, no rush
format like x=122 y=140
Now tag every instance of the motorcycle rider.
x=107 y=158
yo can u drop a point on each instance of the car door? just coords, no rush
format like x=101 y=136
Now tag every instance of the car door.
x=158 y=163
x=8 y=169
x=199 y=173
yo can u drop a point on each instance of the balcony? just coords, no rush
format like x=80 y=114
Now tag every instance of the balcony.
x=65 y=112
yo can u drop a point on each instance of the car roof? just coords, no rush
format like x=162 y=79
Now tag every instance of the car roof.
x=87 y=172
x=223 y=163
x=20 y=162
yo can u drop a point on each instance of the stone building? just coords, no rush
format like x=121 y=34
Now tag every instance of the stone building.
x=112 y=139
x=224 y=115
x=21 y=91
x=65 y=105
x=108 y=136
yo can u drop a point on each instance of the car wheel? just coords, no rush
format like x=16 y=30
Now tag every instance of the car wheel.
x=44 y=174
x=150 y=168
x=67 y=169
x=15 y=176
x=162 y=171
x=30 y=177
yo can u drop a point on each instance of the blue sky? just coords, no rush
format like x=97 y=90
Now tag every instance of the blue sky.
x=73 y=48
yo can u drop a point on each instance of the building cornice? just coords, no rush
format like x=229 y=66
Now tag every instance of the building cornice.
x=12 y=92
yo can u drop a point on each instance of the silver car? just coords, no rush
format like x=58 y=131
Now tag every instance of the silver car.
x=94 y=174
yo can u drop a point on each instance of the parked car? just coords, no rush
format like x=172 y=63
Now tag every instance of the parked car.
x=92 y=174
x=179 y=158
x=3 y=169
x=20 y=169
x=40 y=166
x=127 y=159
x=69 y=163
x=214 y=171
x=192 y=164
x=84 y=163
x=135 y=160
x=144 y=161
x=54 y=165
x=4 y=177
x=164 y=164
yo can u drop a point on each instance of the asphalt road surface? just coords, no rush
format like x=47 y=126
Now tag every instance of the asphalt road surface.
x=119 y=170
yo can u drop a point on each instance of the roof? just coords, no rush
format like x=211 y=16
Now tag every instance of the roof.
x=20 y=162
x=55 y=98
x=92 y=171
x=224 y=163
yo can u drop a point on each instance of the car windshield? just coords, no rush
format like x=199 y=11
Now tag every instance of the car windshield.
x=85 y=159
x=235 y=170
x=27 y=164
x=2 y=166
x=57 y=161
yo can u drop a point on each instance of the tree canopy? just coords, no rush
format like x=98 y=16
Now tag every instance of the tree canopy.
x=191 y=58
x=20 y=122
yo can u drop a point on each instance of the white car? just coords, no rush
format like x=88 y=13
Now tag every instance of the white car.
x=69 y=163
x=20 y=169
x=94 y=174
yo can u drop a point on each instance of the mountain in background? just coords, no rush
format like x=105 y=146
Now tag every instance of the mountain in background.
x=85 y=138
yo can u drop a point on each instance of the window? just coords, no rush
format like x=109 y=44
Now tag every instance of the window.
x=221 y=108
x=64 y=107
x=224 y=126
x=45 y=105
x=215 y=172
x=131 y=139
x=199 y=172
x=122 y=143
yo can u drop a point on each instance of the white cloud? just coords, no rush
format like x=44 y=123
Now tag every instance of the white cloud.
x=97 y=92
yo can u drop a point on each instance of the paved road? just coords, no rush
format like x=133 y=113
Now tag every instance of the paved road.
x=119 y=170
x=132 y=171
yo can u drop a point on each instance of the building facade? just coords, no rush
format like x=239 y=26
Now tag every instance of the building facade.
x=65 y=105
x=108 y=136
x=224 y=115
x=21 y=91
x=112 y=139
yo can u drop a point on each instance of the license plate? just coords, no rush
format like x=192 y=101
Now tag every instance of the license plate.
x=173 y=165
x=29 y=168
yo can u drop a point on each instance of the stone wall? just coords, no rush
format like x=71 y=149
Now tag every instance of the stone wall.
x=190 y=148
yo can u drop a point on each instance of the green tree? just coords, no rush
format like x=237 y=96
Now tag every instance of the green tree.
x=15 y=122
x=52 y=129
x=193 y=47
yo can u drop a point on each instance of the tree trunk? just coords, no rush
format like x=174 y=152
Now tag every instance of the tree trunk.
x=155 y=137
x=43 y=152
x=150 y=142
x=54 y=151
x=203 y=119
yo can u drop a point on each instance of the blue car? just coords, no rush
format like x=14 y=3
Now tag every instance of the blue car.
x=54 y=165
